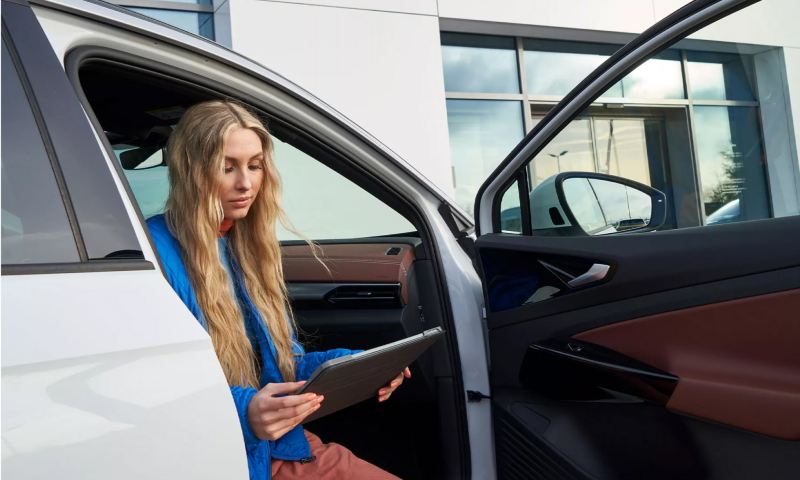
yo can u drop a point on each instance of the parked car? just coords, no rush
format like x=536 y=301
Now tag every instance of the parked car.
x=640 y=353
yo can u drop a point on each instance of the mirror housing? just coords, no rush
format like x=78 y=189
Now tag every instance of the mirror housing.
x=585 y=203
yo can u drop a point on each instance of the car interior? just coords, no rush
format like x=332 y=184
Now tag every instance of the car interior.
x=369 y=292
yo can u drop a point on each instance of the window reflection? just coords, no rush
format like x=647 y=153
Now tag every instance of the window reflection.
x=621 y=147
x=731 y=164
x=482 y=132
x=193 y=22
x=570 y=151
x=556 y=73
x=655 y=78
x=555 y=68
x=719 y=76
x=479 y=64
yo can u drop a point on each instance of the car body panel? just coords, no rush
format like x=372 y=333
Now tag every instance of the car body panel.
x=92 y=376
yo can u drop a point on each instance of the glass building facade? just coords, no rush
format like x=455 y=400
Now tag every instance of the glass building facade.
x=194 y=16
x=686 y=122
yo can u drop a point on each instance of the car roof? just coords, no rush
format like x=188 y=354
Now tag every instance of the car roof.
x=120 y=17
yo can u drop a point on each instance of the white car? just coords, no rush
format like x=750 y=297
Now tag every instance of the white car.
x=638 y=354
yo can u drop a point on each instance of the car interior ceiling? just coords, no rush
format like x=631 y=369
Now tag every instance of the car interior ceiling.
x=415 y=433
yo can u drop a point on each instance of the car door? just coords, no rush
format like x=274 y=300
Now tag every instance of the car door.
x=659 y=343
x=105 y=374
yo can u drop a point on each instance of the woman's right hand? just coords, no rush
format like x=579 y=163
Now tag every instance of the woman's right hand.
x=273 y=411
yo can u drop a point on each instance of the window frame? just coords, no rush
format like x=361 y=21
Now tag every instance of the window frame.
x=66 y=203
x=82 y=172
x=655 y=39
x=301 y=138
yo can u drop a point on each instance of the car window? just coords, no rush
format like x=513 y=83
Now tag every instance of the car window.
x=320 y=203
x=35 y=227
x=318 y=213
x=708 y=123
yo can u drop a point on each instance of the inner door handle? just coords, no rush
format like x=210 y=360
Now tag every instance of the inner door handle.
x=596 y=272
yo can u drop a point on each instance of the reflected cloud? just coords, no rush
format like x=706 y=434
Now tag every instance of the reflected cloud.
x=482 y=132
x=484 y=70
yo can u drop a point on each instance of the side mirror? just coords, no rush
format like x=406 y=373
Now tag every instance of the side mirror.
x=595 y=204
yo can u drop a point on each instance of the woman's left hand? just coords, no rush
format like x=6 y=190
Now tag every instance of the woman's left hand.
x=385 y=392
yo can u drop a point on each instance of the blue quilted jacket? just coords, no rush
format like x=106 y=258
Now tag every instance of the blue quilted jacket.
x=293 y=445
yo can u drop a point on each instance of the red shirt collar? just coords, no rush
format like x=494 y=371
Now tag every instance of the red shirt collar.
x=225 y=226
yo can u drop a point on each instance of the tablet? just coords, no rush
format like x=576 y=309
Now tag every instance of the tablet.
x=347 y=380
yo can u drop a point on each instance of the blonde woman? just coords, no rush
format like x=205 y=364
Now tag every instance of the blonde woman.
x=218 y=248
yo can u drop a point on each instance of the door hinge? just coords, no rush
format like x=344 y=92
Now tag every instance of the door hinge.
x=476 y=396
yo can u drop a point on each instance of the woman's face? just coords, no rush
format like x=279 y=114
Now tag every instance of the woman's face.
x=243 y=172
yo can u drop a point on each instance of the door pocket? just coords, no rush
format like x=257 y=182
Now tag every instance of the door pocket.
x=569 y=369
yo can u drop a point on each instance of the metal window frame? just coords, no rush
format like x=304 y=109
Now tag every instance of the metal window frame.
x=82 y=166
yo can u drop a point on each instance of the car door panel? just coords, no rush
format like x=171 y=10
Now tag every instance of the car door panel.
x=675 y=358
x=737 y=361
x=105 y=372
x=641 y=264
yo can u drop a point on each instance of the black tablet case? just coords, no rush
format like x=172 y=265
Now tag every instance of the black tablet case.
x=347 y=380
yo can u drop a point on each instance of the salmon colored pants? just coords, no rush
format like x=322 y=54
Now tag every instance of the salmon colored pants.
x=332 y=462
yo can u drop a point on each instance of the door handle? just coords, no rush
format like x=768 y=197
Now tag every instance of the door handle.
x=596 y=272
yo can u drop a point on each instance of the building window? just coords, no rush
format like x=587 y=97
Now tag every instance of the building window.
x=686 y=122
x=193 y=16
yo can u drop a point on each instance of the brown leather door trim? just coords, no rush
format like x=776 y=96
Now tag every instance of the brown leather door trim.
x=738 y=362
x=356 y=262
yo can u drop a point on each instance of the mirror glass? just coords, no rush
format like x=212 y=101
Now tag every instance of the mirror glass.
x=601 y=206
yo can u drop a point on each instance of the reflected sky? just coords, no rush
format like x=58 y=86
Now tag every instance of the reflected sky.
x=655 y=78
x=718 y=76
x=556 y=73
x=484 y=70
x=194 y=22
x=714 y=146
x=482 y=133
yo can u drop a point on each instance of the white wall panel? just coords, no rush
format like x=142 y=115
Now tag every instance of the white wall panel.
x=770 y=22
x=662 y=8
x=421 y=7
x=382 y=70
x=613 y=15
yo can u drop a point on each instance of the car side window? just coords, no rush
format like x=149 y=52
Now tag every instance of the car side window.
x=320 y=203
x=706 y=122
x=324 y=205
x=35 y=227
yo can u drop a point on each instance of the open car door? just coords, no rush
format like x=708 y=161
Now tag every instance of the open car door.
x=643 y=307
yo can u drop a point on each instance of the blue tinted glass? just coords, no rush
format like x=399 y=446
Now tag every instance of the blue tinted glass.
x=477 y=64
x=731 y=163
x=719 y=76
x=482 y=132
x=555 y=68
x=193 y=22
x=556 y=73
x=193 y=2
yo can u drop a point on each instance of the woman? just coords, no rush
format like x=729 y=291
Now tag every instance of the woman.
x=218 y=247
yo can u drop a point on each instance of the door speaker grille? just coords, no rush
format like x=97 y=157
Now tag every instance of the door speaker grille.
x=521 y=456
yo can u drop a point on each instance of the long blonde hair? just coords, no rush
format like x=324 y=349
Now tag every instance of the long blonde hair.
x=194 y=214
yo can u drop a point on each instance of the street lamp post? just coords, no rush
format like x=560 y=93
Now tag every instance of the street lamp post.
x=558 y=158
